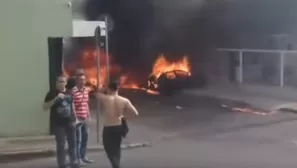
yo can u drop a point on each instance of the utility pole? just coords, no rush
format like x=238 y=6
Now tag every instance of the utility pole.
x=107 y=49
x=97 y=41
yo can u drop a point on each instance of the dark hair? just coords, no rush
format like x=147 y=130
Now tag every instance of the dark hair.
x=79 y=71
x=61 y=76
x=80 y=75
x=113 y=85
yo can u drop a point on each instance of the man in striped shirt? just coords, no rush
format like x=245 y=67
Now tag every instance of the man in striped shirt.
x=71 y=83
x=80 y=94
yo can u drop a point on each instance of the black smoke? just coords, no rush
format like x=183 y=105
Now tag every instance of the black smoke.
x=144 y=28
x=130 y=20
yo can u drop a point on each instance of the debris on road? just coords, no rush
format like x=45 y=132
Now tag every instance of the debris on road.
x=179 y=107
x=247 y=110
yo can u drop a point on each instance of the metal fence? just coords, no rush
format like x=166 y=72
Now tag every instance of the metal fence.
x=272 y=67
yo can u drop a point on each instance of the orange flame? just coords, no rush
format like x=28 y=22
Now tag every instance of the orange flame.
x=162 y=65
x=133 y=85
x=88 y=62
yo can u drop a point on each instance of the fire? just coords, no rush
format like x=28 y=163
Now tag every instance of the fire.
x=162 y=65
x=133 y=85
x=163 y=68
x=88 y=61
x=128 y=83
x=247 y=110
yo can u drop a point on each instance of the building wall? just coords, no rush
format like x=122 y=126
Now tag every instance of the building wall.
x=24 y=29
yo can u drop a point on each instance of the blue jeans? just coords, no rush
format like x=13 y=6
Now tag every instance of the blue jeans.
x=63 y=133
x=82 y=136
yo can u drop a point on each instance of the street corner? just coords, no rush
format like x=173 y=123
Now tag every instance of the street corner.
x=25 y=154
x=23 y=148
x=29 y=140
x=32 y=153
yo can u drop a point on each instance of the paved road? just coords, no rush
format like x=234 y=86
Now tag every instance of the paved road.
x=250 y=148
x=201 y=134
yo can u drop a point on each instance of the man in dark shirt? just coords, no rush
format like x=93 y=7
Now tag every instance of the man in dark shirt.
x=59 y=102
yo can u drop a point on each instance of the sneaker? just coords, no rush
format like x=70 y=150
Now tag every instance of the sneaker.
x=81 y=163
x=88 y=161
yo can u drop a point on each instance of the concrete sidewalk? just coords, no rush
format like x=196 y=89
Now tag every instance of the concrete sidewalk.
x=23 y=148
x=268 y=98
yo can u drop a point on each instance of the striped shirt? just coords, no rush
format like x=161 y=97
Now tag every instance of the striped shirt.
x=81 y=102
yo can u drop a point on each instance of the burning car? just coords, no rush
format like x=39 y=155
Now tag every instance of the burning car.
x=169 y=82
x=169 y=77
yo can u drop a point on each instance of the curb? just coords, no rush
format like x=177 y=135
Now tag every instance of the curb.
x=288 y=107
x=30 y=154
x=29 y=139
x=287 y=110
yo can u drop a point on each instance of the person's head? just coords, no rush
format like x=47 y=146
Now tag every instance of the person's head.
x=61 y=82
x=81 y=80
x=113 y=86
x=79 y=71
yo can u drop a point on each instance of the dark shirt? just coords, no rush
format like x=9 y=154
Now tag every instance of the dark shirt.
x=55 y=117
x=71 y=83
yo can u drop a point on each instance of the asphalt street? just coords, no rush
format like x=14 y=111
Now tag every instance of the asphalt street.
x=189 y=131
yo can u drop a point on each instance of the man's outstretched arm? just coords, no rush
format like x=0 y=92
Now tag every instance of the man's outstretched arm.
x=130 y=108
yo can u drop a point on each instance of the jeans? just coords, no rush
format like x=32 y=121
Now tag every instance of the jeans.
x=63 y=133
x=82 y=136
x=112 y=139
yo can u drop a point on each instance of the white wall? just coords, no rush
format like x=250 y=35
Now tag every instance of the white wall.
x=24 y=29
